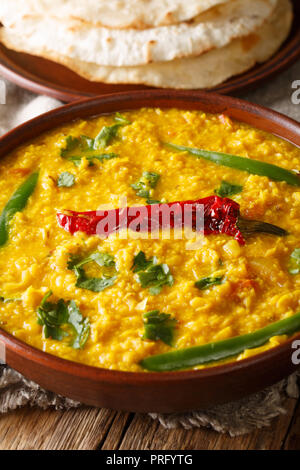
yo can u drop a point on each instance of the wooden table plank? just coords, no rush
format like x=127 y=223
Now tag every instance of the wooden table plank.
x=117 y=431
x=292 y=441
x=140 y=434
x=143 y=433
x=76 y=429
x=90 y=428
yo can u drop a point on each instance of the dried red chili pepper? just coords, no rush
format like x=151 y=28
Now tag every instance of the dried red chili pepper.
x=221 y=215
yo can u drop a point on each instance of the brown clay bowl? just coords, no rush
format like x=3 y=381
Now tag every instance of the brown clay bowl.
x=152 y=392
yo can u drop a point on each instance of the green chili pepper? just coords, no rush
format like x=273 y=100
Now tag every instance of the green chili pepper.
x=16 y=204
x=211 y=352
x=255 y=167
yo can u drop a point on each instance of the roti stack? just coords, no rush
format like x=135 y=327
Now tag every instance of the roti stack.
x=163 y=43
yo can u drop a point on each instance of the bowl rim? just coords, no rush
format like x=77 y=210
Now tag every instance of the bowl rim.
x=187 y=97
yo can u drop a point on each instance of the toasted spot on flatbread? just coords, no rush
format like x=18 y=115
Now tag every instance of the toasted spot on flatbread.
x=248 y=42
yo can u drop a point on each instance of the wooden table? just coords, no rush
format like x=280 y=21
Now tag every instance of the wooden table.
x=95 y=429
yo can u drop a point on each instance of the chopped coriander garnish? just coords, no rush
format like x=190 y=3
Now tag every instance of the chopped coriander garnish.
x=80 y=325
x=151 y=178
x=94 y=284
x=122 y=120
x=107 y=133
x=140 y=262
x=101 y=258
x=227 y=189
x=66 y=180
x=71 y=143
x=81 y=147
x=207 y=282
x=100 y=158
x=52 y=316
x=78 y=147
x=159 y=326
x=151 y=274
x=294 y=265
x=152 y=201
x=63 y=319
x=145 y=185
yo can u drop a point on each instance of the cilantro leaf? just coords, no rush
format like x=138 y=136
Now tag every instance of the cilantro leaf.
x=86 y=143
x=90 y=158
x=294 y=265
x=57 y=319
x=145 y=185
x=51 y=317
x=73 y=261
x=152 y=201
x=66 y=180
x=159 y=326
x=81 y=326
x=140 y=262
x=207 y=282
x=107 y=133
x=71 y=143
x=227 y=189
x=78 y=147
x=94 y=284
x=101 y=258
x=122 y=120
x=155 y=277
x=151 y=178
x=151 y=274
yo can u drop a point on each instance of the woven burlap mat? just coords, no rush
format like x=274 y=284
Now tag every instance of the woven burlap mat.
x=236 y=418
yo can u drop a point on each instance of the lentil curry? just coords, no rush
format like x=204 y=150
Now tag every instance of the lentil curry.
x=116 y=302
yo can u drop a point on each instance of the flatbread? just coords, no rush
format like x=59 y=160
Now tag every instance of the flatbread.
x=121 y=14
x=110 y=47
x=205 y=71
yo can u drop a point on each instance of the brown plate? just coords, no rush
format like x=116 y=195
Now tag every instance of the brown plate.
x=49 y=78
x=160 y=392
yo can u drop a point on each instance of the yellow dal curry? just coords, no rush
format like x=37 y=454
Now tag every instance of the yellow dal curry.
x=256 y=289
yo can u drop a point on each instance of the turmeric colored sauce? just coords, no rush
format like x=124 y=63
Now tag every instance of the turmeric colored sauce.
x=256 y=289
